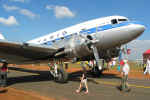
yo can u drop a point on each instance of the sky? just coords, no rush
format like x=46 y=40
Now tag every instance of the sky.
x=138 y=47
x=23 y=20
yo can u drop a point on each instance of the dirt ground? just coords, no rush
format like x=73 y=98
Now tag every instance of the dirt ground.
x=13 y=94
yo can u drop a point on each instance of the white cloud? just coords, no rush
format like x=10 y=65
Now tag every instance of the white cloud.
x=61 y=11
x=18 y=1
x=21 y=11
x=27 y=13
x=49 y=7
x=9 y=22
x=10 y=8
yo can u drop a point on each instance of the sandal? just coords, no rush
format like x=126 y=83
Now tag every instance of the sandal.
x=86 y=92
x=77 y=91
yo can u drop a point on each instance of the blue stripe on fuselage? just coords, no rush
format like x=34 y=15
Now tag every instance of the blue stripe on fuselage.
x=92 y=30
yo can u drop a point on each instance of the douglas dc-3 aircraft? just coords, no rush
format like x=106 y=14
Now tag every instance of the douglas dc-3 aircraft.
x=91 y=40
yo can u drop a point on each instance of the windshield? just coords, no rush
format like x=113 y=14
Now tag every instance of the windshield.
x=114 y=21
x=121 y=20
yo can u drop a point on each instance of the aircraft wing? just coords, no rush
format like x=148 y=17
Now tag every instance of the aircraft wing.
x=24 y=53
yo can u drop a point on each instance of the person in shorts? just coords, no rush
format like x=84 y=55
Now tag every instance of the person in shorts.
x=125 y=72
x=83 y=84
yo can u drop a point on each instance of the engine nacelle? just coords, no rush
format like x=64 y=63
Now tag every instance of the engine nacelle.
x=77 y=47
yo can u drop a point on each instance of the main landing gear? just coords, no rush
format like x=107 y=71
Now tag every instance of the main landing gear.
x=58 y=72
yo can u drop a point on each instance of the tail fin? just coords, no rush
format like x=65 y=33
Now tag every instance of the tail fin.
x=1 y=36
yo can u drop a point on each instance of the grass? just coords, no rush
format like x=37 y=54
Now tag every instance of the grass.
x=133 y=65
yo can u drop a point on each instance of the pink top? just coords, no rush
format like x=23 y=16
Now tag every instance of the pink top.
x=4 y=69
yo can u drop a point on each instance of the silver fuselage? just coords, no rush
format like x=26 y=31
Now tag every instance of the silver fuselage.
x=110 y=36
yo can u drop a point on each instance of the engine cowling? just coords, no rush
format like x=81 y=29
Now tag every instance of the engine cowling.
x=77 y=47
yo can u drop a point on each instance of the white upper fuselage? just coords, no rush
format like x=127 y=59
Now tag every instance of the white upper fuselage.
x=75 y=29
x=117 y=29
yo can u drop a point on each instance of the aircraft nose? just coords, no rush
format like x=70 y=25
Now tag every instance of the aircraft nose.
x=138 y=29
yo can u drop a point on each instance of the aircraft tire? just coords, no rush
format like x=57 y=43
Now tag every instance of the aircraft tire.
x=62 y=76
x=96 y=72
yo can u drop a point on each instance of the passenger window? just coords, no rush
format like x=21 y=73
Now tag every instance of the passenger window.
x=51 y=37
x=57 y=35
x=53 y=41
x=64 y=33
x=44 y=39
x=75 y=33
x=45 y=43
x=83 y=29
x=39 y=41
x=114 y=21
x=62 y=38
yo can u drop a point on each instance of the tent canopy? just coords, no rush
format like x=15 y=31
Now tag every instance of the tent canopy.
x=147 y=52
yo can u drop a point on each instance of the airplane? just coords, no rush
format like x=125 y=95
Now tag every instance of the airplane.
x=96 y=39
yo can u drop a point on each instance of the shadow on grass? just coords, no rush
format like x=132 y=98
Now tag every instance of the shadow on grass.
x=75 y=76
x=40 y=76
x=3 y=91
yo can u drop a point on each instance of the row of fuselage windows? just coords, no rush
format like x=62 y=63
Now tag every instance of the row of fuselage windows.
x=113 y=21
x=57 y=39
x=67 y=37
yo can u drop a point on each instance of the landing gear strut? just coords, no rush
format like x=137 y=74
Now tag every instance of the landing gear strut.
x=58 y=73
x=97 y=70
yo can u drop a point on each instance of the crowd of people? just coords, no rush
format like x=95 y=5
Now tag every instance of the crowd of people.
x=123 y=67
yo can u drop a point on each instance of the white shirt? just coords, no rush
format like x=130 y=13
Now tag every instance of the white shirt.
x=126 y=69
x=148 y=64
x=113 y=63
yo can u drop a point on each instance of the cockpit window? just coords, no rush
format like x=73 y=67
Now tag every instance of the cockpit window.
x=122 y=19
x=114 y=21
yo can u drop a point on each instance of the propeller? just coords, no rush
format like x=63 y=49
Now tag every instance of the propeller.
x=91 y=42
